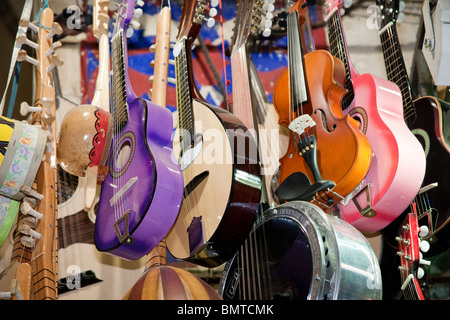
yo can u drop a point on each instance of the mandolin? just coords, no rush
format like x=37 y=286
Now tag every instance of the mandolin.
x=328 y=155
x=142 y=192
x=212 y=145
x=389 y=186
x=426 y=117
x=173 y=283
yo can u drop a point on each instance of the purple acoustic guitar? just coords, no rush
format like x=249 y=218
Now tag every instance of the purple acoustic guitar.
x=142 y=193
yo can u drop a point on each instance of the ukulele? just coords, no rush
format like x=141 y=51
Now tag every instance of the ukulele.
x=389 y=186
x=84 y=272
x=142 y=192
x=212 y=146
x=174 y=283
x=327 y=155
x=426 y=118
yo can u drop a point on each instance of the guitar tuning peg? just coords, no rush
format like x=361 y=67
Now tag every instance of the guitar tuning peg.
x=401 y=17
x=135 y=24
x=28 y=242
x=56 y=30
x=31 y=192
x=56 y=62
x=53 y=47
x=129 y=33
x=26 y=109
x=401 y=5
x=423 y=231
x=26 y=229
x=214 y=3
x=424 y=245
x=347 y=3
x=420 y=273
x=138 y=12
x=149 y=93
x=26 y=209
x=210 y=22
x=22 y=39
x=140 y=3
x=25 y=22
x=212 y=12
x=22 y=56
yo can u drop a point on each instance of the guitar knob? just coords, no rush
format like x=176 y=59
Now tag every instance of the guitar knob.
x=420 y=273
x=424 y=245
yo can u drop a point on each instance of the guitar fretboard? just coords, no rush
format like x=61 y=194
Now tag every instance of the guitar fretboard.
x=396 y=70
x=297 y=78
x=184 y=96
x=120 y=106
x=338 y=49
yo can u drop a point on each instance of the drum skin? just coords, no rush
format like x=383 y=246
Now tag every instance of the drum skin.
x=170 y=283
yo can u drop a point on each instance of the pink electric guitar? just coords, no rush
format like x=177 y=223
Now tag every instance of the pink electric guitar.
x=398 y=164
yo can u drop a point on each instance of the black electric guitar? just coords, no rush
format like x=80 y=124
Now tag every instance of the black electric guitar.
x=219 y=160
x=428 y=118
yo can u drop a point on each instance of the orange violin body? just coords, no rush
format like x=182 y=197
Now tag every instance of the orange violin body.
x=344 y=153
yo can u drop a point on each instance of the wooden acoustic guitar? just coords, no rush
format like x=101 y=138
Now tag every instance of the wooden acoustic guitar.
x=213 y=146
x=376 y=103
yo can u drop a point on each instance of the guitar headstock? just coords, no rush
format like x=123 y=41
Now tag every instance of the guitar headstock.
x=126 y=17
x=331 y=5
x=193 y=14
x=409 y=247
x=253 y=17
x=100 y=18
x=390 y=11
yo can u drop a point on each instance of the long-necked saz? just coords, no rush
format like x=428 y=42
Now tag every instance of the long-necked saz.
x=219 y=159
x=142 y=193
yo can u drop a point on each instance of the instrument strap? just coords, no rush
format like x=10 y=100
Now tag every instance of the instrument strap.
x=26 y=13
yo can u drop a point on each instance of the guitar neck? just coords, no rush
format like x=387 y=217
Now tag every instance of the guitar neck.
x=297 y=77
x=396 y=69
x=120 y=83
x=185 y=90
x=411 y=288
x=338 y=48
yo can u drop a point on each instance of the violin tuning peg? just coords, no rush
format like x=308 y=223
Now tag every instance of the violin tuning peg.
x=26 y=109
x=22 y=39
x=56 y=30
x=22 y=56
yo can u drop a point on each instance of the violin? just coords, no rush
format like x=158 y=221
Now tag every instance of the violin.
x=327 y=155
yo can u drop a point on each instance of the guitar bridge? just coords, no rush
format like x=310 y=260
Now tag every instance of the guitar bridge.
x=367 y=211
x=125 y=236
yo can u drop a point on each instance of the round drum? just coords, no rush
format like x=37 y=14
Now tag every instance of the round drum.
x=298 y=252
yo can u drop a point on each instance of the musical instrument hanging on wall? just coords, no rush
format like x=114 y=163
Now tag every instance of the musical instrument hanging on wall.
x=84 y=272
x=174 y=283
x=328 y=155
x=142 y=193
x=209 y=142
x=426 y=117
x=376 y=103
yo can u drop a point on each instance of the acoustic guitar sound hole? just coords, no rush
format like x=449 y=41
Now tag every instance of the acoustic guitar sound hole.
x=123 y=154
